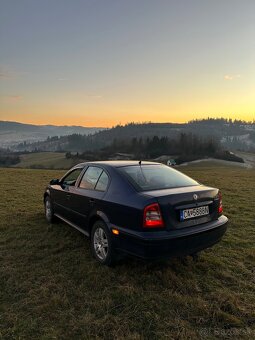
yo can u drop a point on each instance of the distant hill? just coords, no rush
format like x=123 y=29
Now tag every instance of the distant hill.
x=46 y=160
x=13 y=133
x=232 y=135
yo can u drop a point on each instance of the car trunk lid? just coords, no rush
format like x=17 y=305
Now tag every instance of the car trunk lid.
x=181 y=207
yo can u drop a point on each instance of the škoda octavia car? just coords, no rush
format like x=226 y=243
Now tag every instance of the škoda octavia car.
x=144 y=209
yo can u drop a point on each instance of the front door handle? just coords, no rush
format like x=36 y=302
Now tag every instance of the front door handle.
x=91 y=201
x=68 y=196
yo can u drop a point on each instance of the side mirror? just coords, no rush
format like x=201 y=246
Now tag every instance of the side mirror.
x=54 y=181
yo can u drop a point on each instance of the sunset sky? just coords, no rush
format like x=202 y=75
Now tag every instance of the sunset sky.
x=104 y=62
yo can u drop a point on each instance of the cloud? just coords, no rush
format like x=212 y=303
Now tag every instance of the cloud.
x=231 y=76
x=11 y=98
x=228 y=77
x=5 y=74
x=95 y=96
x=15 y=98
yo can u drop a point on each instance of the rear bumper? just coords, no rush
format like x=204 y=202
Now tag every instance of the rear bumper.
x=164 y=244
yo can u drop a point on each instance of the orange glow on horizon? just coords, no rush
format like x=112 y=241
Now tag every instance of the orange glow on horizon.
x=109 y=113
x=111 y=122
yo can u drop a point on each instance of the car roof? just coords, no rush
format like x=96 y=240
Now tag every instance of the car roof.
x=117 y=163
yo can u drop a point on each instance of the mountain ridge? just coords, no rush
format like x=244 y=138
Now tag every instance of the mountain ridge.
x=13 y=133
x=232 y=135
x=10 y=122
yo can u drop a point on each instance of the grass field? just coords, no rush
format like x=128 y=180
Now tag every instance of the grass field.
x=50 y=160
x=51 y=288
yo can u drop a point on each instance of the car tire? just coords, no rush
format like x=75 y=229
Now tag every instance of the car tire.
x=101 y=244
x=49 y=212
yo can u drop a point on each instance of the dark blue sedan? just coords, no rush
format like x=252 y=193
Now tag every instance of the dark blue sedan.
x=144 y=209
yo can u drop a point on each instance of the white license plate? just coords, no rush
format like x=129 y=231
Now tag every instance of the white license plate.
x=194 y=212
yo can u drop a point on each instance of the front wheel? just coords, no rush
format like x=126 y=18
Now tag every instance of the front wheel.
x=49 y=214
x=101 y=244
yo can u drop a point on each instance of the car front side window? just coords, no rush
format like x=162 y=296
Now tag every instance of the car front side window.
x=71 y=178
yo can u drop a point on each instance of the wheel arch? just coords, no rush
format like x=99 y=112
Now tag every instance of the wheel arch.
x=98 y=216
x=46 y=194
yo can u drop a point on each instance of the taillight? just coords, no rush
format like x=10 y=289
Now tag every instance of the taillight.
x=220 y=208
x=152 y=217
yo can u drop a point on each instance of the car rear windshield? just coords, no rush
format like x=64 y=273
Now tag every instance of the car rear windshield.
x=155 y=177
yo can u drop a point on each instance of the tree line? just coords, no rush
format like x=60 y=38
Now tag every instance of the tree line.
x=8 y=158
x=186 y=147
x=186 y=144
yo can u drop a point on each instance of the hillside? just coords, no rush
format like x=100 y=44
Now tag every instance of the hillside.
x=13 y=133
x=46 y=160
x=232 y=135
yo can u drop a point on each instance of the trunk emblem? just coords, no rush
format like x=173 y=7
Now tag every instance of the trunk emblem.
x=195 y=197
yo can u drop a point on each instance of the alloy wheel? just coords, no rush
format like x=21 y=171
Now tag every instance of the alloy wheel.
x=100 y=242
x=48 y=210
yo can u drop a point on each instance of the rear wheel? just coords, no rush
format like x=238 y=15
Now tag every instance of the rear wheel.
x=101 y=244
x=195 y=257
x=49 y=213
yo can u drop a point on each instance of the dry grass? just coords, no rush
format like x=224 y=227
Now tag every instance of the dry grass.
x=51 y=288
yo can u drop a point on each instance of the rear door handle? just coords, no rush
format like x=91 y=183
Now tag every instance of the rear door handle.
x=68 y=196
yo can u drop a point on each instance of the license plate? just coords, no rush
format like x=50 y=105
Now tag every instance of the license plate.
x=194 y=212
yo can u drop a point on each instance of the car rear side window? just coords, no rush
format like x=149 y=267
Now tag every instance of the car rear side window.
x=155 y=177
x=90 y=178
x=102 y=182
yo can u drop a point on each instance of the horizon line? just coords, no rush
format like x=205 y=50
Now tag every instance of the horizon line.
x=133 y=122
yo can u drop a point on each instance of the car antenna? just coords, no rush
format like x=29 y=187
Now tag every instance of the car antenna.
x=140 y=163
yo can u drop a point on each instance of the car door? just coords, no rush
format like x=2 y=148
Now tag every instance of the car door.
x=61 y=193
x=88 y=194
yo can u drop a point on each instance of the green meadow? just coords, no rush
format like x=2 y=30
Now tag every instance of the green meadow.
x=51 y=287
x=47 y=160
